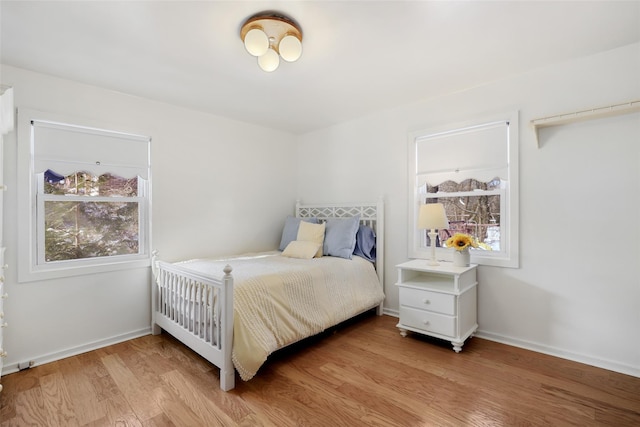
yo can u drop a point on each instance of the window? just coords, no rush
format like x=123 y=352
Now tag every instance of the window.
x=472 y=170
x=84 y=198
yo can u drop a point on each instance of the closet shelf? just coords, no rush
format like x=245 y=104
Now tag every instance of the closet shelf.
x=593 y=113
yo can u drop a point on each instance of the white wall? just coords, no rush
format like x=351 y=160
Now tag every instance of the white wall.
x=577 y=291
x=219 y=187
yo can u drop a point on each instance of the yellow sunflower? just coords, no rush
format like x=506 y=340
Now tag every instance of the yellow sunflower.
x=461 y=241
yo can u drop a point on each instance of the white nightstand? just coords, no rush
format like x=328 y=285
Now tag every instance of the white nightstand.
x=439 y=301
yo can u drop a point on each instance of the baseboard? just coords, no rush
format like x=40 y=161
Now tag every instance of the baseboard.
x=563 y=354
x=389 y=312
x=58 y=355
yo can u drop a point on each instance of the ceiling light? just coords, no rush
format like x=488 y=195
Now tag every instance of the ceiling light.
x=271 y=37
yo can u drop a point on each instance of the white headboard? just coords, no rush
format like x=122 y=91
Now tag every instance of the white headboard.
x=371 y=214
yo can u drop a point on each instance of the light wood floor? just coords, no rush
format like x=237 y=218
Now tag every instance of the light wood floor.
x=362 y=374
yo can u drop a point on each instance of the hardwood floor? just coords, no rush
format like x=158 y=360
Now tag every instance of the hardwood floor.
x=361 y=374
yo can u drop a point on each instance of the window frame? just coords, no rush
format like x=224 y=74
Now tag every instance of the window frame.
x=31 y=200
x=509 y=199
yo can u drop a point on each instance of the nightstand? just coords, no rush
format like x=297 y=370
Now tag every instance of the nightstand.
x=439 y=301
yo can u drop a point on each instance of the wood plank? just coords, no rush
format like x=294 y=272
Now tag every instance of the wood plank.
x=175 y=409
x=159 y=421
x=287 y=403
x=30 y=409
x=325 y=396
x=119 y=412
x=414 y=409
x=140 y=399
x=82 y=393
x=195 y=400
x=56 y=401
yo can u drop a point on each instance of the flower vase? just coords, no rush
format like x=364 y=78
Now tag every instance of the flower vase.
x=461 y=258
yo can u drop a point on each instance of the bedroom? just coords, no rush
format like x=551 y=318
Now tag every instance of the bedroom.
x=245 y=178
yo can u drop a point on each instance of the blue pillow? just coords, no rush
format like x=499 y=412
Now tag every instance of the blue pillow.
x=366 y=243
x=290 y=230
x=340 y=236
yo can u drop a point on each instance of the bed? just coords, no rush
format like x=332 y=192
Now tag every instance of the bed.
x=235 y=311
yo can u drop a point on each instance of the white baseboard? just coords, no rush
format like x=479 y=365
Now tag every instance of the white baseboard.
x=563 y=354
x=389 y=312
x=58 y=355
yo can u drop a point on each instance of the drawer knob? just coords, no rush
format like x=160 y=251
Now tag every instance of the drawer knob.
x=426 y=301
x=426 y=322
x=4 y=296
x=3 y=353
x=4 y=325
x=1 y=314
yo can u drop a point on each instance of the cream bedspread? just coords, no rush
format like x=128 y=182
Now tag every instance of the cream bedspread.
x=280 y=300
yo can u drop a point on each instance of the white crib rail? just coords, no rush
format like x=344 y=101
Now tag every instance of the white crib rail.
x=191 y=304
x=197 y=310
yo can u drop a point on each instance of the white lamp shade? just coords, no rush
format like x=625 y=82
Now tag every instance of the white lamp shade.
x=256 y=42
x=269 y=61
x=290 y=48
x=433 y=216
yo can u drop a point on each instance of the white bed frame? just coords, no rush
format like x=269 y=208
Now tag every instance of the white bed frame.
x=212 y=335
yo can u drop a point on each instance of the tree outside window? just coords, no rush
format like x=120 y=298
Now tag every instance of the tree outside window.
x=472 y=207
x=85 y=227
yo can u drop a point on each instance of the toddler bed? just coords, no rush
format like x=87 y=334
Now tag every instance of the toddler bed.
x=236 y=311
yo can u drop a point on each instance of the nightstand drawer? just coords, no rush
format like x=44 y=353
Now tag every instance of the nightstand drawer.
x=428 y=321
x=427 y=300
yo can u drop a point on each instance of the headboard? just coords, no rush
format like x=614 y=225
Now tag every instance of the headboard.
x=371 y=214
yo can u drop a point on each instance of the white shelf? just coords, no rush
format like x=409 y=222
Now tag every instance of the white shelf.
x=593 y=113
x=438 y=286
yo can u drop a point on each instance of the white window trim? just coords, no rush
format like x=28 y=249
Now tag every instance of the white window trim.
x=509 y=200
x=28 y=268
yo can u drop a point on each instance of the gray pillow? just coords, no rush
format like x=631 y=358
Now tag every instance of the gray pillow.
x=290 y=230
x=340 y=236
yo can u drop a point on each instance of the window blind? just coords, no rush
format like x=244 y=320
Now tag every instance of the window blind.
x=479 y=152
x=66 y=149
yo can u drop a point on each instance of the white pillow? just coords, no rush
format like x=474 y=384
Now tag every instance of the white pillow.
x=290 y=230
x=312 y=233
x=301 y=249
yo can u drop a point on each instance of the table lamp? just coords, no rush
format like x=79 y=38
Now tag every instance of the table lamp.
x=432 y=217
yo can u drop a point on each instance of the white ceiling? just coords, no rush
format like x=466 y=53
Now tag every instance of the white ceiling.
x=359 y=56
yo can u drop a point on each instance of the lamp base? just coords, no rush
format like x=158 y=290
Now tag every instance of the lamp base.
x=432 y=237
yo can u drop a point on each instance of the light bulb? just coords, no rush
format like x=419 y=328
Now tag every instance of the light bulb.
x=256 y=42
x=269 y=61
x=290 y=48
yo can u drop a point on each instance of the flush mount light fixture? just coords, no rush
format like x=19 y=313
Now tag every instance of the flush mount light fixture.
x=271 y=36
